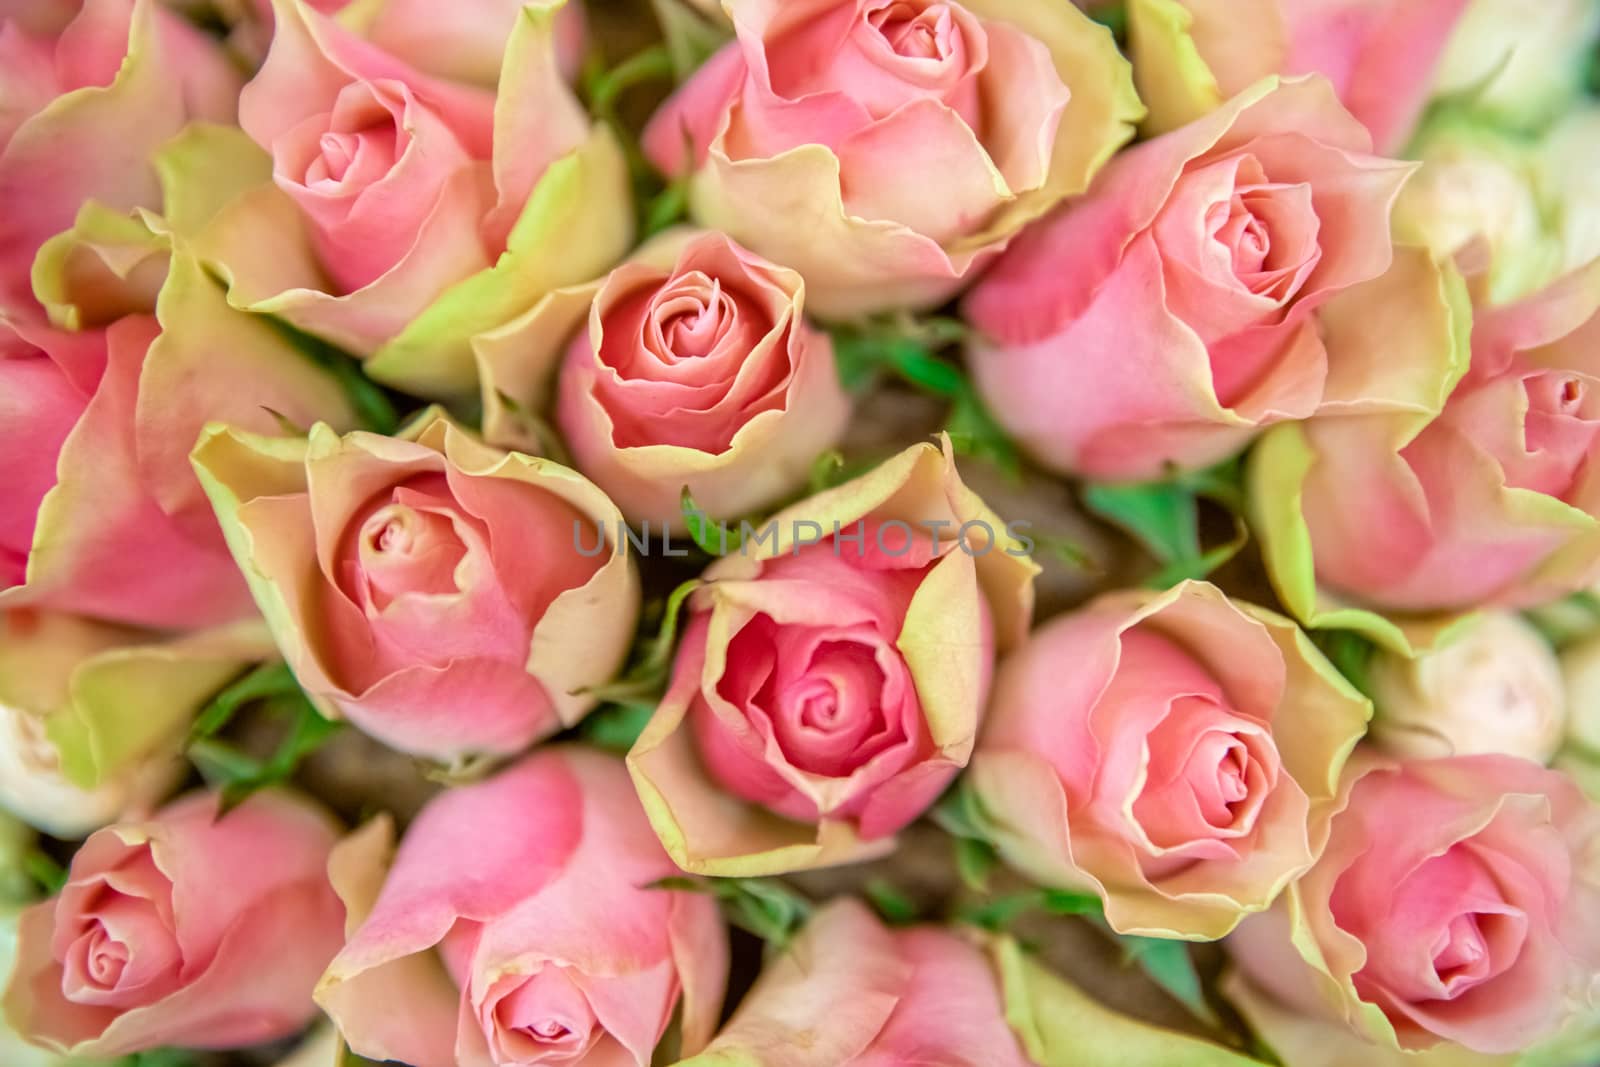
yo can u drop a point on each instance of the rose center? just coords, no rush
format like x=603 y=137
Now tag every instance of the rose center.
x=914 y=34
x=106 y=958
x=405 y=550
x=1461 y=953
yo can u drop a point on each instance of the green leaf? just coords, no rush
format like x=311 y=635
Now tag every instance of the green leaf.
x=1199 y=567
x=712 y=537
x=996 y=914
x=666 y=208
x=691 y=37
x=616 y=727
x=265 y=681
x=1169 y=965
x=761 y=906
x=642 y=684
x=237 y=775
x=370 y=402
x=895 y=906
x=975 y=861
x=927 y=372
x=827 y=471
x=44 y=870
x=1349 y=652
x=1162 y=516
x=163 y=1057
x=1066 y=902
x=974 y=432
x=606 y=87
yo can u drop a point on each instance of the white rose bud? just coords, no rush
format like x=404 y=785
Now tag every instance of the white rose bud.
x=1519 y=62
x=1495 y=689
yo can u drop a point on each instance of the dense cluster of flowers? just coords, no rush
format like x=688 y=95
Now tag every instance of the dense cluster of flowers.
x=490 y=523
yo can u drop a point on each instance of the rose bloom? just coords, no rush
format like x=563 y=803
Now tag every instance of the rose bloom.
x=1494 y=688
x=851 y=992
x=427 y=587
x=1457 y=901
x=519 y=924
x=886 y=149
x=696 y=369
x=184 y=929
x=1492 y=503
x=87 y=95
x=1380 y=55
x=1521 y=65
x=407 y=211
x=1184 y=771
x=100 y=513
x=92 y=716
x=832 y=675
x=1167 y=316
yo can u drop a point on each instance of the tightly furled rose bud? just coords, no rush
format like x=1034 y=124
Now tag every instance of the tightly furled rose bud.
x=694 y=367
x=408 y=212
x=183 y=929
x=850 y=992
x=886 y=149
x=1494 y=688
x=104 y=86
x=519 y=923
x=1166 y=317
x=92 y=716
x=426 y=587
x=1184 y=771
x=833 y=672
x=1457 y=901
x=1380 y=55
x=1494 y=502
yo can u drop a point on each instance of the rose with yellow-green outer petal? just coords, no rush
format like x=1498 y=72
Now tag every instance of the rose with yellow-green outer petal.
x=850 y=991
x=1191 y=55
x=888 y=152
x=833 y=672
x=1184 y=769
x=427 y=587
x=94 y=715
x=1492 y=502
x=478 y=204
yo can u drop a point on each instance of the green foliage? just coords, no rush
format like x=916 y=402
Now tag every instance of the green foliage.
x=372 y=405
x=957 y=813
x=761 y=906
x=273 y=690
x=1350 y=653
x=894 y=906
x=713 y=537
x=42 y=868
x=638 y=689
x=691 y=37
x=1169 y=965
x=1164 y=517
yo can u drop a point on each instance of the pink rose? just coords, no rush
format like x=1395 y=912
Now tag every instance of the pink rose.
x=184 y=929
x=1184 y=770
x=84 y=104
x=1167 y=316
x=100 y=513
x=1380 y=55
x=832 y=674
x=518 y=924
x=427 y=587
x=1457 y=901
x=886 y=149
x=1496 y=501
x=696 y=368
x=408 y=211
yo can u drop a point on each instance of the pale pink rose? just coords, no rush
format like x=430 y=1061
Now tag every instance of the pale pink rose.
x=185 y=929
x=1183 y=769
x=1380 y=55
x=100 y=513
x=886 y=149
x=691 y=365
x=83 y=106
x=1496 y=501
x=1168 y=315
x=1458 y=900
x=427 y=587
x=825 y=693
x=408 y=209
x=519 y=924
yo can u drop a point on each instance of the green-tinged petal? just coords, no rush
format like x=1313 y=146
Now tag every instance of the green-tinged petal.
x=1061 y=1026
x=109 y=264
x=203 y=169
x=1172 y=77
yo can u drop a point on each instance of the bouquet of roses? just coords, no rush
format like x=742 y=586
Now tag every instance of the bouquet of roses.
x=800 y=533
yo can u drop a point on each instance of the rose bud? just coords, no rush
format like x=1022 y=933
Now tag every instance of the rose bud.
x=696 y=369
x=1242 y=225
x=103 y=85
x=1494 y=688
x=850 y=992
x=1380 y=55
x=833 y=672
x=1186 y=773
x=100 y=512
x=184 y=929
x=92 y=716
x=428 y=588
x=886 y=151
x=1492 y=503
x=1520 y=65
x=520 y=923
x=407 y=212
x=1455 y=902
